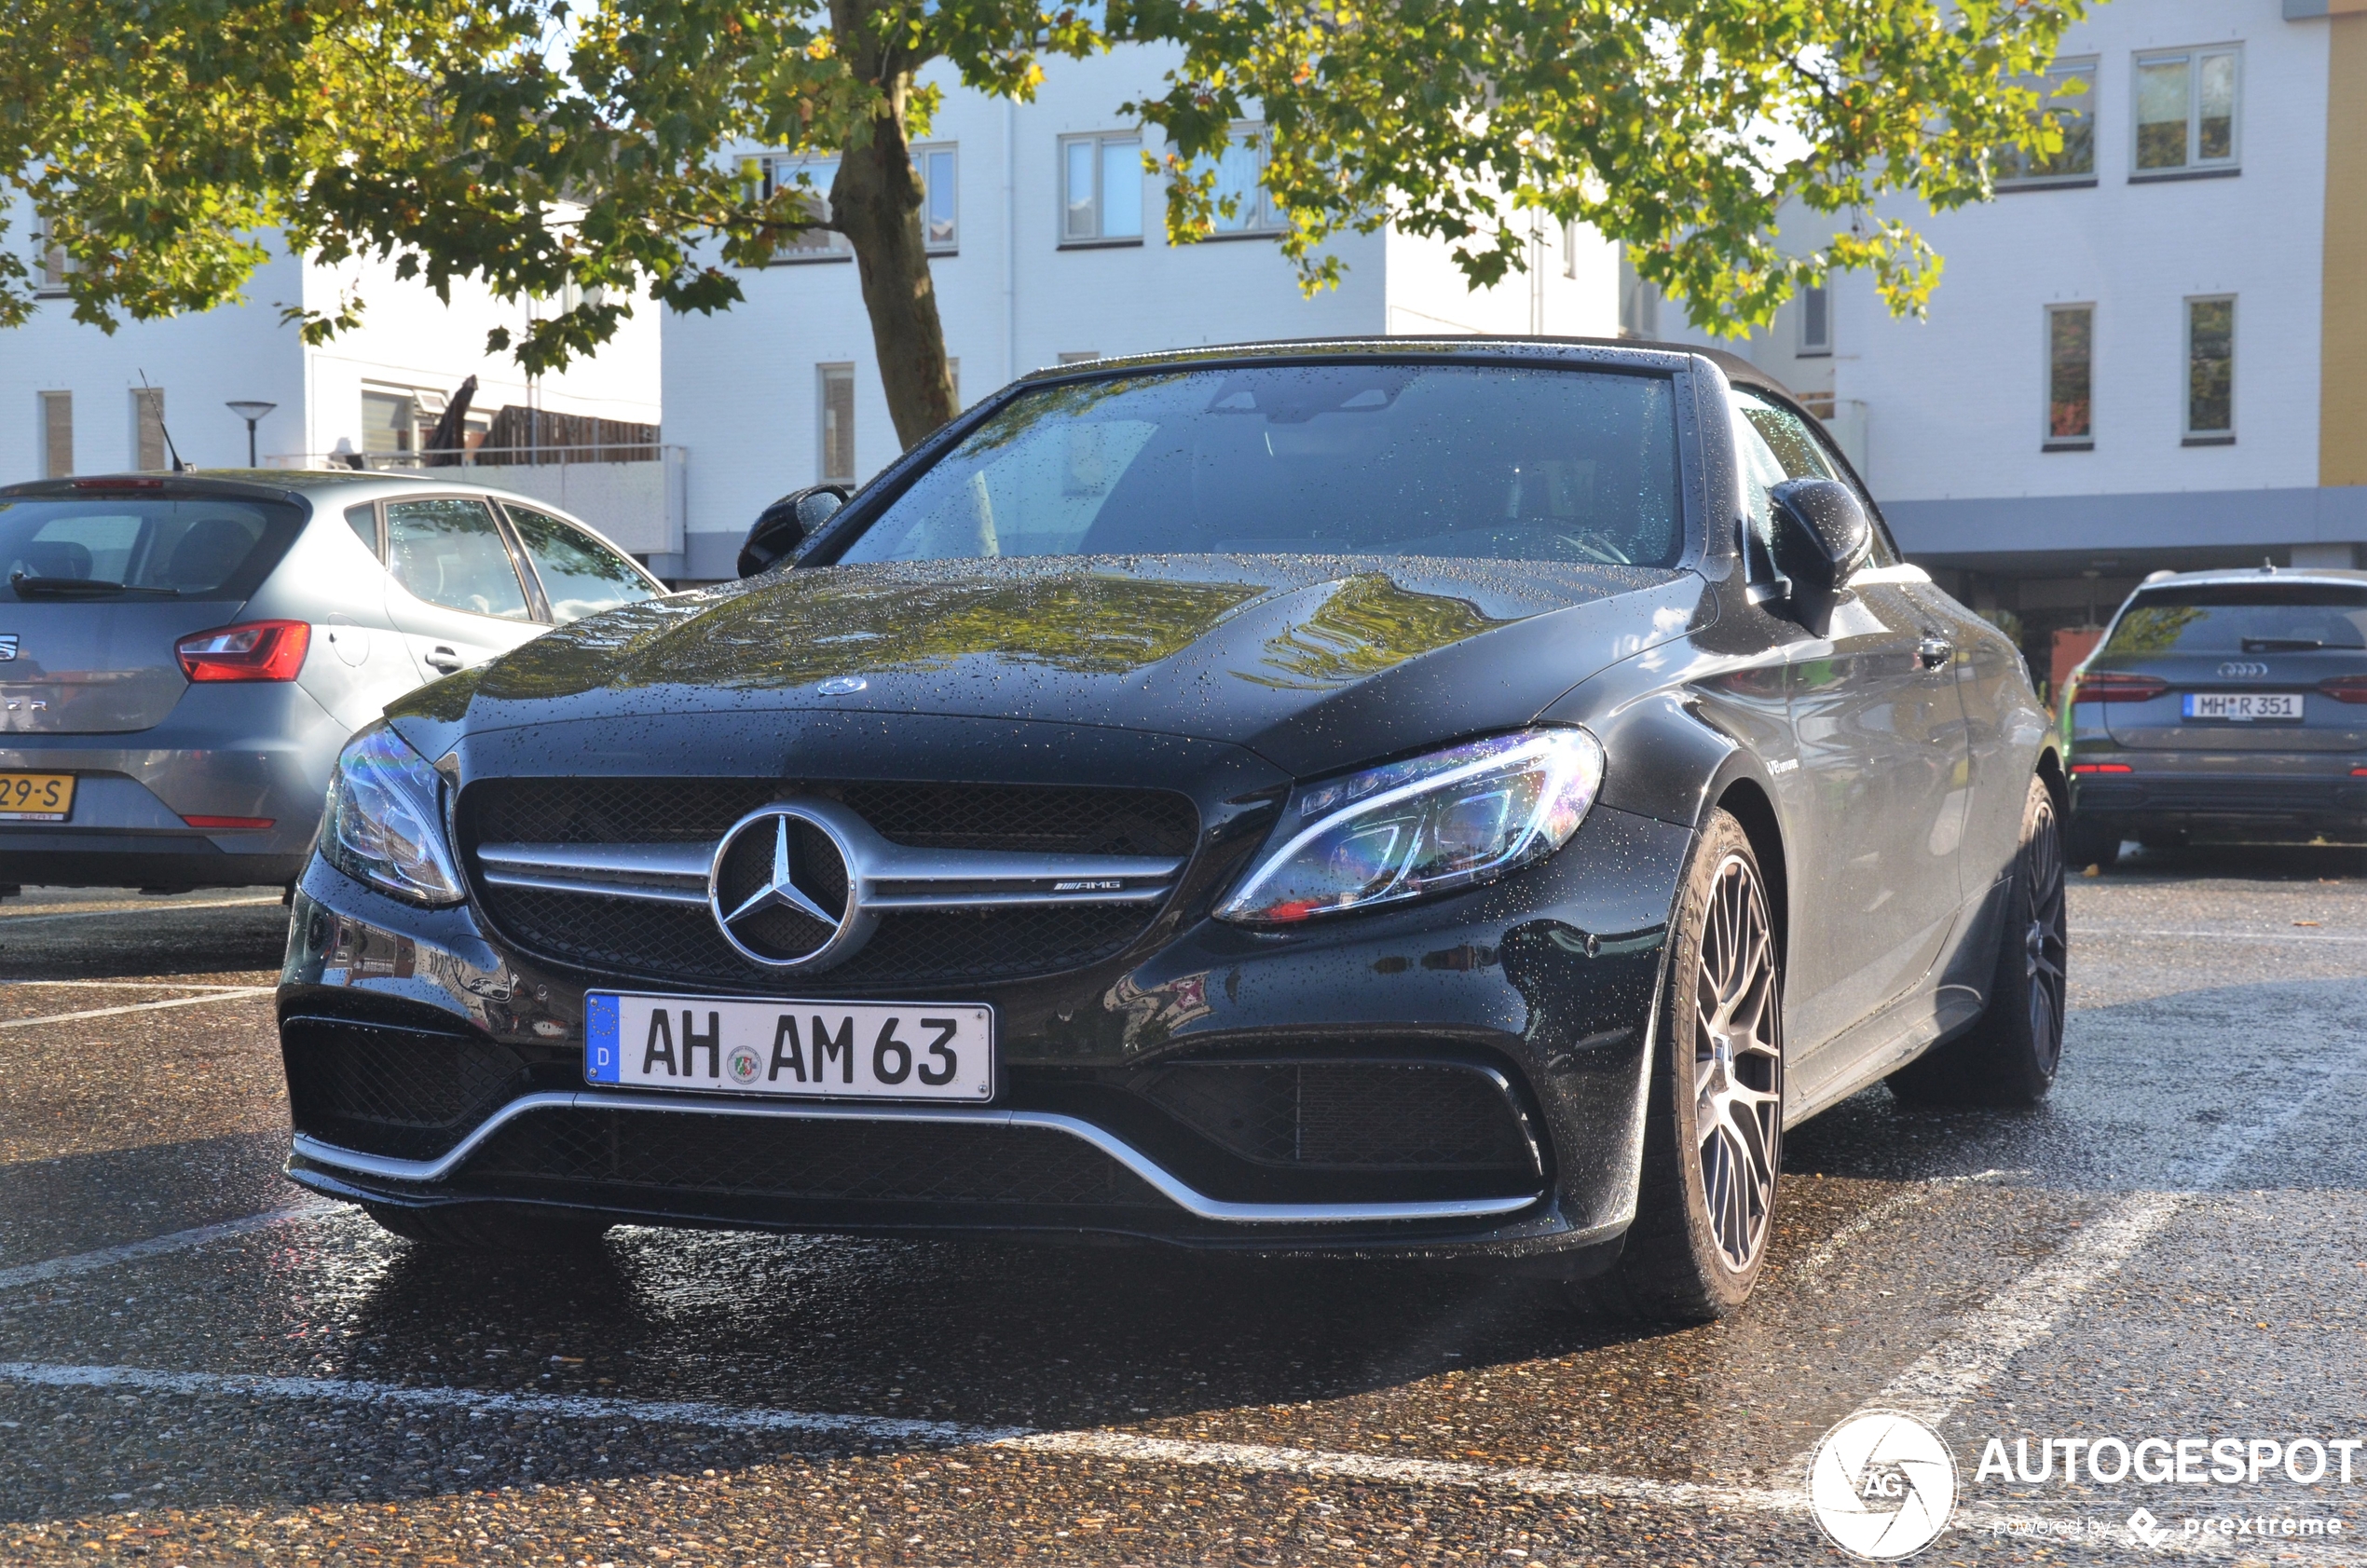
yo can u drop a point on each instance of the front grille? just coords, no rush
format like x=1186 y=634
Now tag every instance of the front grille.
x=381 y=1089
x=1043 y=818
x=671 y=941
x=819 y=1159
x=1348 y=1114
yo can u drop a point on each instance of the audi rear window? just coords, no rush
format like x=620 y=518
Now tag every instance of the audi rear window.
x=115 y=547
x=1368 y=459
x=2242 y=617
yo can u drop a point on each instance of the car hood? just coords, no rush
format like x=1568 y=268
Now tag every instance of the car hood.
x=1313 y=662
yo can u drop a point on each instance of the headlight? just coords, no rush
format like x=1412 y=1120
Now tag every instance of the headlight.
x=383 y=825
x=1452 y=819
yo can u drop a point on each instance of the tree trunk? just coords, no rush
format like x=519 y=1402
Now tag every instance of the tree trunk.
x=876 y=202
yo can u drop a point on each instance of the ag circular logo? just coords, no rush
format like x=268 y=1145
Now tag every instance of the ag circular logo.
x=1881 y=1485
x=784 y=888
x=743 y=1064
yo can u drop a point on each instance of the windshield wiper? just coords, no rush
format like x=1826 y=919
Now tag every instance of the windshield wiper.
x=26 y=583
x=2281 y=645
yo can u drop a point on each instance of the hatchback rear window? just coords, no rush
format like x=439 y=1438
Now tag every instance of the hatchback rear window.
x=2243 y=618
x=115 y=547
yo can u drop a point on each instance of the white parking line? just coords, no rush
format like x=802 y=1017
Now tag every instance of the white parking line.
x=139 y=909
x=236 y=994
x=2089 y=932
x=126 y=984
x=1819 y=1259
x=178 y=1241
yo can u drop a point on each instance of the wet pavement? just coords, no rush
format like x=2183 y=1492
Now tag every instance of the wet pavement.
x=201 y=1365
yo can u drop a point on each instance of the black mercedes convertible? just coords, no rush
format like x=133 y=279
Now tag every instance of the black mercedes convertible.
x=1457 y=799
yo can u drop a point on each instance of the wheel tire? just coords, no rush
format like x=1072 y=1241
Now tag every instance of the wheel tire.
x=2088 y=842
x=490 y=1227
x=2010 y=1056
x=1713 y=1138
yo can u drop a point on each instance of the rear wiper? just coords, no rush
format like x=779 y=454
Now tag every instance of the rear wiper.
x=2281 y=645
x=25 y=583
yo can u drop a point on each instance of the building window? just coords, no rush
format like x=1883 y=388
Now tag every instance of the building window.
x=147 y=428
x=771 y=173
x=2071 y=354
x=1815 y=321
x=2210 y=372
x=57 y=435
x=1101 y=189
x=2069 y=98
x=838 y=424
x=940 y=193
x=2186 y=112
x=1239 y=202
x=389 y=424
x=1639 y=303
x=51 y=262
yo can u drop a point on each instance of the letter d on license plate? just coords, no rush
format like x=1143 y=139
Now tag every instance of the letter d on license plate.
x=795 y=1050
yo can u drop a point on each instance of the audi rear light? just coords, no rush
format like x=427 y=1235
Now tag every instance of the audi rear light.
x=2345 y=689
x=252 y=650
x=2107 y=685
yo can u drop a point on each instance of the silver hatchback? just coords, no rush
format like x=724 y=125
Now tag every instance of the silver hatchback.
x=182 y=655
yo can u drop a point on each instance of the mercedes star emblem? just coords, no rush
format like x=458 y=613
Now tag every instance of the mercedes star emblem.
x=783 y=892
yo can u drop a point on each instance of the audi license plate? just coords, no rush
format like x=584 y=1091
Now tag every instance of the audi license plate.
x=2244 y=705
x=36 y=797
x=797 y=1050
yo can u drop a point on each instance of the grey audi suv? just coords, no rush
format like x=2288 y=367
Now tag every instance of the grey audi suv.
x=182 y=655
x=2228 y=704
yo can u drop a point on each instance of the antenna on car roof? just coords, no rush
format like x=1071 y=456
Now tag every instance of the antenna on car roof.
x=178 y=466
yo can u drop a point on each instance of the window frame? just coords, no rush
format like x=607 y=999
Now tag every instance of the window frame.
x=1815 y=348
x=1100 y=238
x=778 y=171
x=143 y=400
x=922 y=152
x=521 y=553
x=2047 y=440
x=1266 y=222
x=2187 y=434
x=2195 y=167
x=2091 y=67
x=824 y=372
x=44 y=401
x=406 y=432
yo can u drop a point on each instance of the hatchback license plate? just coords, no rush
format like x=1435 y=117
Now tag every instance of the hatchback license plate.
x=2243 y=705
x=794 y=1050
x=35 y=797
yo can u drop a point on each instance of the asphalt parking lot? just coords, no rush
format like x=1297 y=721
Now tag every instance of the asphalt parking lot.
x=199 y=1365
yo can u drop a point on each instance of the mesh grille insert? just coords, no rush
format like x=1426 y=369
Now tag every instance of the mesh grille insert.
x=1391 y=1116
x=405 y=1093
x=865 y=1161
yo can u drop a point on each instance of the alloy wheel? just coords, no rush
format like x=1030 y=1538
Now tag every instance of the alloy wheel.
x=1738 y=1063
x=2043 y=934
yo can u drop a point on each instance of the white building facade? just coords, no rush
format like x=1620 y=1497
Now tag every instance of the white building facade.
x=2153 y=353
x=1048 y=244
x=87 y=402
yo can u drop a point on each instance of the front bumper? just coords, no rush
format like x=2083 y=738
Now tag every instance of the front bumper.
x=1543 y=986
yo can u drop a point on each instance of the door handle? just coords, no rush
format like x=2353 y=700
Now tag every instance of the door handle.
x=442 y=658
x=1933 y=652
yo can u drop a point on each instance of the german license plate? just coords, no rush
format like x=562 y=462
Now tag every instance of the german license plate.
x=2244 y=705
x=795 y=1050
x=35 y=797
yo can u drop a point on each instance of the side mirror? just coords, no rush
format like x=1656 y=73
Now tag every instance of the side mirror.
x=787 y=523
x=1822 y=535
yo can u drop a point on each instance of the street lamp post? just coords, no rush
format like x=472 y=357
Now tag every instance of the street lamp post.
x=251 y=412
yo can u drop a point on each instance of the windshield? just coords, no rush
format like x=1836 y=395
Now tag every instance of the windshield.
x=113 y=546
x=2243 y=618
x=1367 y=459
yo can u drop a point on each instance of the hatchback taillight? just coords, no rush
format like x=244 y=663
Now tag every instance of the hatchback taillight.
x=2108 y=686
x=2345 y=689
x=253 y=650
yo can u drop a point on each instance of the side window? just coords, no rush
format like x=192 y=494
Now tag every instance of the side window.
x=580 y=576
x=448 y=551
x=1777 y=444
x=363 y=521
